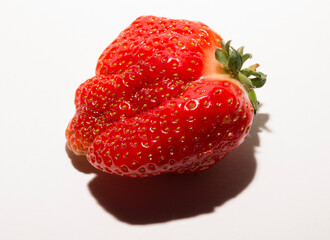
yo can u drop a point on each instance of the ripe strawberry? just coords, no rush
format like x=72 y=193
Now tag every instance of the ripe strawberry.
x=168 y=96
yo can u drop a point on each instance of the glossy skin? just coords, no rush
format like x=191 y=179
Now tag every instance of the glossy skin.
x=149 y=62
x=186 y=134
x=133 y=118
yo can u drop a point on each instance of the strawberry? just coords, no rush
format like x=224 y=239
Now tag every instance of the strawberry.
x=168 y=96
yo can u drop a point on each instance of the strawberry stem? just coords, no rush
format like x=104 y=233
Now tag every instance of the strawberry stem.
x=233 y=61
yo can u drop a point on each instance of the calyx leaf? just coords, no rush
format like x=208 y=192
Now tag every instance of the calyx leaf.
x=233 y=60
x=221 y=56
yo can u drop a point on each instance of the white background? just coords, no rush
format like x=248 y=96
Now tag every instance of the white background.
x=275 y=186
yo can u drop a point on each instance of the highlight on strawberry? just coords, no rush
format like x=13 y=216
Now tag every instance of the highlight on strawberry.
x=168 y=96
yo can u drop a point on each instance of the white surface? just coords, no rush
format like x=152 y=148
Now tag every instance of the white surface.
x=276 y=186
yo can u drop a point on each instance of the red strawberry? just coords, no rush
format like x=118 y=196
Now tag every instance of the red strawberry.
x=168 y=96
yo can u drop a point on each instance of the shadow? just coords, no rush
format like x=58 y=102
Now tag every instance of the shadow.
x=168 y=197
x=80 y=162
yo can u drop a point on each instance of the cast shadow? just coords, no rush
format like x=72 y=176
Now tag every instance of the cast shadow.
x=168 y=197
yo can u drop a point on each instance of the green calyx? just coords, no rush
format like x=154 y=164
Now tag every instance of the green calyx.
x=233 y=61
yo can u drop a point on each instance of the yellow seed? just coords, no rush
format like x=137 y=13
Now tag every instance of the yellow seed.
x=191 y=105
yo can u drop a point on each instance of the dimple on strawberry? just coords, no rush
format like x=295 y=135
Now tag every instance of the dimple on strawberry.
x=169 y=96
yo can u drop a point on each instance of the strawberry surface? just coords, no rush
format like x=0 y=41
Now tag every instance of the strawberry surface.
x=168 y=96
x=185 y=134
